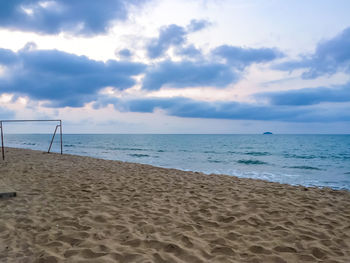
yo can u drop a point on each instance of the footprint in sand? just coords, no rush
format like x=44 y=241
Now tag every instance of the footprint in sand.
x=259 y=250
x=88 y=253
x=233 y=236
x=223 y=251
x=187 y=241
x=48 y=259
x=69 y=240
x=318 y=253
x=285 y=249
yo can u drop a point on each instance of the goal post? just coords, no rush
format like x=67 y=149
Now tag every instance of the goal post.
x=58 y=126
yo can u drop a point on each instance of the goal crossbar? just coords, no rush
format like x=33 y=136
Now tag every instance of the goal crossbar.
x=59 y=125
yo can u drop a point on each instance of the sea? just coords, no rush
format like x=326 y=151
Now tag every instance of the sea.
x=308 y=160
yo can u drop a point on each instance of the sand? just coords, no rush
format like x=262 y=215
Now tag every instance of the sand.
x=80 y=209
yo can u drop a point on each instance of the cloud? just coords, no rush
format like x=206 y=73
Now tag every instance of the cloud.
x=172 y=35
x=308 y=96
x=61 y=78
x=125 y=53
x=188 y=108
x=189 y=52
x=55 y=16
x=187 y=74
x=240 y=58
x=197 y=25
x=202 y=72
x=168 y=36
x=7 y=57
x=330 y=57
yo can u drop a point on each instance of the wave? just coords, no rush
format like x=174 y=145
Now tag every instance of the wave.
x=214 y=161
x=324 y=157
x=335 y=156
x=288 y=155
x=125 y=149
x=138 y=155
x=342 y=156
x=257 y=153
x=251 y=162
x=305 y=167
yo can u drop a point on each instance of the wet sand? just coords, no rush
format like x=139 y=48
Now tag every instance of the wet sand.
x=80 y=209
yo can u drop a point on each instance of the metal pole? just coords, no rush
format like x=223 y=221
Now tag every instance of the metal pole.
x=2 y=141
x=53 y=137
x=2 y=131
x=27 y=120
x=61 y=136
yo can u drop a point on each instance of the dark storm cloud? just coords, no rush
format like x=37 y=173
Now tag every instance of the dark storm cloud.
x=7 y=56
x=205 y=72
x=240 y=58
x=125 y=53
x=189 y=52
x=86 y=17
x=222 y=66
x=173 y=35
x=187 y=74
x=309 y=96
x=61 y=78
x=188 y=108
x=330 y=57
x=197 y=25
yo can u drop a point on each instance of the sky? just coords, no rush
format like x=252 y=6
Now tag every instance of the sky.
x=185 y=66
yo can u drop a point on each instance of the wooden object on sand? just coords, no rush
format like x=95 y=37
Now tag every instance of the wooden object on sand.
x=6 y=191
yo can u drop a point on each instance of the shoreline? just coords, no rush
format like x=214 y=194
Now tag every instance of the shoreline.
x=72 y=208
x=319 y=162
x=176 y=169
x=193 y=171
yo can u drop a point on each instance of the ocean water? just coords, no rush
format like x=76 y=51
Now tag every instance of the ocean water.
x=310 y=160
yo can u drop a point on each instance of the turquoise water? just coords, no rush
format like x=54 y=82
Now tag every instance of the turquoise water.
x=310 y=160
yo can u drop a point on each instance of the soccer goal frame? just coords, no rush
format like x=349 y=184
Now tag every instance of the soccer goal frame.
x=58 y=125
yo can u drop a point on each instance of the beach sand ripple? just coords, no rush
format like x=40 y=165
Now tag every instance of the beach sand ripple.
x=80 y=209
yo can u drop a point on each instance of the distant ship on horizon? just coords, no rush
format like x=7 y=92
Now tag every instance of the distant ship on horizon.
x=267 y=133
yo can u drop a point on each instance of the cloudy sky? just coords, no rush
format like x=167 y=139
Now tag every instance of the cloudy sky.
x=185 y=66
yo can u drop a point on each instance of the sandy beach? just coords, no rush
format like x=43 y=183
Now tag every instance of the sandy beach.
x=80 y=209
